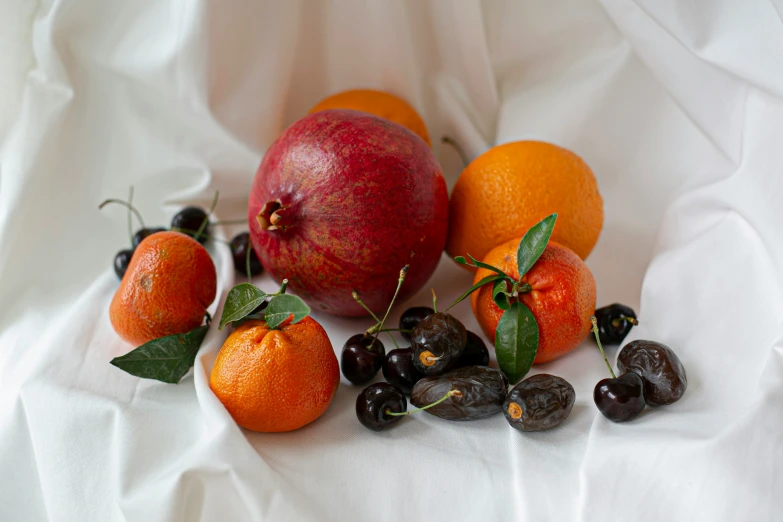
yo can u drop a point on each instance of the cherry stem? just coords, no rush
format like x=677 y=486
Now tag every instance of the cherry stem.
x=130 y=207
x=450 y=393
x=247 y=262
x=448 y=140
x=632 y=320
x=209 y=213
x=358 y=299
x=434 y=301
x=598 y=340
x=403 y=272
x=192 y=232
x=229 y=222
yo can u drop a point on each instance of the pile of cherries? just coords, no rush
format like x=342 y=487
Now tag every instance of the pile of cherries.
x=445 y=372
x=189 y=221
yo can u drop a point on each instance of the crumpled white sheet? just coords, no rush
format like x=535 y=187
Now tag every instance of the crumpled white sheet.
x=678 y=108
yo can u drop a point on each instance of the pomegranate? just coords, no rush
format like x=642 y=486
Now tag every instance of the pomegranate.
x=341 y=202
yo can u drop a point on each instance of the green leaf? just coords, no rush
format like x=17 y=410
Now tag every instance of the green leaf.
x=240 y=301
x=533 y=243
x=500 y=294
x=480 y=264
x=484 y=281
x=165 y=359
x=281 y=307
x=516 y=341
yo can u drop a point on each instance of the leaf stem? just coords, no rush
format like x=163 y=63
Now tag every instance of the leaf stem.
x=434 y=301
x=450 y=393
x=595 y=331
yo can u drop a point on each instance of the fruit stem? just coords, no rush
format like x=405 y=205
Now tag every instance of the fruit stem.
x=434 y=301
x=229 y=222
x=358 y=299
x=247 y=262
x=450 y=393
x=448 y=140
x=283 y=286
x=524 y=288
x=632 y=320
x=598 y=340
x=403 y=272
x=209 y=213
x=124 y=204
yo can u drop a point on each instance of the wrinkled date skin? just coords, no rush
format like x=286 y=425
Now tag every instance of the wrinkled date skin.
x=659 y=367
x=539 y=403
x=341 y=202
x=438 y=342
x=482 y=391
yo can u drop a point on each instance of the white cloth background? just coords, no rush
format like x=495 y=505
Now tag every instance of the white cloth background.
x=677 y=106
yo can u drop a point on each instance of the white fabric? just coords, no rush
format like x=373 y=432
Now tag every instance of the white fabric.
x=677 y=106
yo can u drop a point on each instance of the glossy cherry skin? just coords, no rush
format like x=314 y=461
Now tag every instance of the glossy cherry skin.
x=612 y=323
x=374 y=400
x=143 y=233
x=411 y=318
x=189 y=220
x=121 y=262
x=620 y=399
x=361 y=358
x=399 y=371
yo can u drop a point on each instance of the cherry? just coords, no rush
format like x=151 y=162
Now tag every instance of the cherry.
x=620 y=398
x=142 y=234
x=189 y=221
x=411 y=318
x=121 y=262
x=240 y=248
x=614 y=322
x=361 y=358
x=377 y=402
x=399 y=371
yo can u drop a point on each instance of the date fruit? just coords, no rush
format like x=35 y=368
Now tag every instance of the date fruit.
x=658 y=366
x=539 y=403
x=477 y=392
x=437 y=343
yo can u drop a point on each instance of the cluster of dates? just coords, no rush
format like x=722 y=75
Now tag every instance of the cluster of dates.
x=445 y=371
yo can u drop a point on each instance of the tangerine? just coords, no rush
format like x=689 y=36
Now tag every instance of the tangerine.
x=276 y=380
x=561 y=297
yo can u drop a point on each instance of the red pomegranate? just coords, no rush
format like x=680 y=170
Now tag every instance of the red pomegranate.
x=341 y=202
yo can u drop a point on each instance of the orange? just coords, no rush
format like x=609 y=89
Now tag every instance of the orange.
x=562 y=297
x=511 y=187
x=276 y=380
x=379 y=103
x=166 y=290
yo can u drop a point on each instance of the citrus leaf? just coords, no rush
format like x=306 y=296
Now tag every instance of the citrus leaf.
x=484 y=281
x=533 y=243
x=281 y=307
x=516 y=341
x=500 y=294
x=485 y=265
x=165 y=359
x=240 y=301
